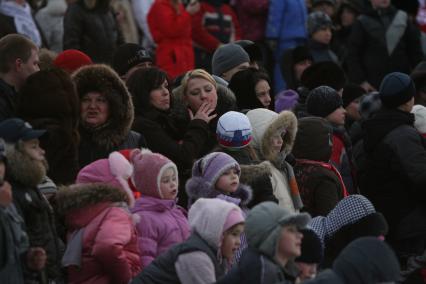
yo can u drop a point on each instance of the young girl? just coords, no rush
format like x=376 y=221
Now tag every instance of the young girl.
x=161 y=222
x=217 y=175
x=216 y=227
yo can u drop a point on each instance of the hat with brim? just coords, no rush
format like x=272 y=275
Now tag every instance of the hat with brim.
x=15 y=129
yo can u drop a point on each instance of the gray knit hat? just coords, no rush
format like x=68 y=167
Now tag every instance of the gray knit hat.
x=227 y=57
x=318 y=20
x=322 y=101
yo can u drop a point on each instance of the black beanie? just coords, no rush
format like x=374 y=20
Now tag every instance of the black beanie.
x=129 y=55
x=326 y=73
x=351 y=92
x=312 y=248
x=322 y=101
x=396 y=89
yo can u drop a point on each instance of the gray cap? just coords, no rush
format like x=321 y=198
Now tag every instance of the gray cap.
x=227 y=57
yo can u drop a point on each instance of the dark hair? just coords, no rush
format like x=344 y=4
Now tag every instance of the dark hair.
x=12 y=47
x=243 y=84
x=140 y=85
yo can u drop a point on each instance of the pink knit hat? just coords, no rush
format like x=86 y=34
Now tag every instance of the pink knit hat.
x=115 y=171
x=234 y=217
x=148 y=169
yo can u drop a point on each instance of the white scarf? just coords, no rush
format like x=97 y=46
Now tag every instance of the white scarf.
x=23 y=18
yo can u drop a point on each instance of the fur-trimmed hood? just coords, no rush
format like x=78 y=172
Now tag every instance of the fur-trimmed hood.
x=22 y=168
x=79 y=196
x=103 y=79
x=266 y=124
x=250 y=173
x=197 y=187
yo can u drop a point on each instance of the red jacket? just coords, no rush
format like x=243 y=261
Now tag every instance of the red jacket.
x=172 y=34
x=206 y=27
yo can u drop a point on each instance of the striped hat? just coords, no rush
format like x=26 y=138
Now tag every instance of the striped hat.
x=234 y=130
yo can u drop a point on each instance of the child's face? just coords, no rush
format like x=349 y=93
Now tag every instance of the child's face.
x=169 y=184
x=307 y=270
x=322 y=35
x=290 y=242
x=277 y=141
x=33 y=149
x=228 y=181
x=337 y=117
x=231 y=241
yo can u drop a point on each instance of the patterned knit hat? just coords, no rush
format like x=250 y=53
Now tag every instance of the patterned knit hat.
x=234 y=130
x=317 y=21
x=370 y=104
x=207 y=170
x=115 y=171
x=322 y=101
x=129 y=55
x=148 y=169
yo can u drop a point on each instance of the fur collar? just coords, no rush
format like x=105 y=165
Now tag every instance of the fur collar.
x=250 y=173
x=197 y=187
x=82 y=195
x=102 y=78
x=286 y=120
x=23 y=169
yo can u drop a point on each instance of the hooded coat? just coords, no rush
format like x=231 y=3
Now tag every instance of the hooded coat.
x=90 y=26
x=50 y=19
x=394 y=176
x=265 y=125
x=320 y=184
x=24 y=175
x=353 y=217
x=197 y=259
x=115 y=134
x=108 y=246
x=48 y=100
x=263 y=230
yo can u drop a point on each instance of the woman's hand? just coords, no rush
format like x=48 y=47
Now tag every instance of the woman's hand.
x=203 y=113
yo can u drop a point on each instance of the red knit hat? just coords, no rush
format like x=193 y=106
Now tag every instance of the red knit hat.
x=72 y=59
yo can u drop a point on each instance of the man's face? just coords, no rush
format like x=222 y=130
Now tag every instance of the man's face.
x=25 y=69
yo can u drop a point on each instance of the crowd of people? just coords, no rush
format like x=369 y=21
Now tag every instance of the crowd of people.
x=212 y=141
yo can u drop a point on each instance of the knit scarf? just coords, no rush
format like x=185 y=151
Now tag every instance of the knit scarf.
x=294 y=189
x=327 y=166
x=23 y=18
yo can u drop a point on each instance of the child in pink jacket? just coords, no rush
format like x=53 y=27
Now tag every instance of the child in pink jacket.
x=162 y=223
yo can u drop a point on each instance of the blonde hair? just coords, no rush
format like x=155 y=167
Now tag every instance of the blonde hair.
x=197 y=73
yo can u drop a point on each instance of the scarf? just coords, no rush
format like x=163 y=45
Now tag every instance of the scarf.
x=330 y=167
x=23 y=18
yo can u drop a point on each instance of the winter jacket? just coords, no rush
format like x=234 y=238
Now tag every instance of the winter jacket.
x=100 y=232
x=171 y=32
x=394 y=174
x=90 y=26
x=195 y=260
x=50 y=19
x=321 y=52
x=376 y=49
x=126 y=24
x=161 y=224
x=320 y=185
x=140 y=10
x=165 y=136
x=8 y=101
x=265 y=125
x=48 y=101
x=252 y=15
x=7 y=25
x=14 y=245
x=353 y=217
x=97 y=143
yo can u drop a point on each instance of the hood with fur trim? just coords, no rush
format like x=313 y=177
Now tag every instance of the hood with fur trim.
x=197 y=187
x=74 y=197
x=22 y=168
x=266 y=124
x=101 y=78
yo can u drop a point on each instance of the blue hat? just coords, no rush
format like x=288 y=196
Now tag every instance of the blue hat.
x=396 y=89
x=14 y=129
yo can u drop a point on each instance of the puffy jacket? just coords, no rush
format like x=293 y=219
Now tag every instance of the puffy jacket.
x=161 y=224
x=109 y=249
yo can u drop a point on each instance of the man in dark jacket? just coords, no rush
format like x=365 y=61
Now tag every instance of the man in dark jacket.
x=18 y=60
x=383 y=40
x=394 y=177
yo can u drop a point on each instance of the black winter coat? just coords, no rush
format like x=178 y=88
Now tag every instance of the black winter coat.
x=92 y=30
x=394 y=172
x=368 y=57
x=8 y=100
